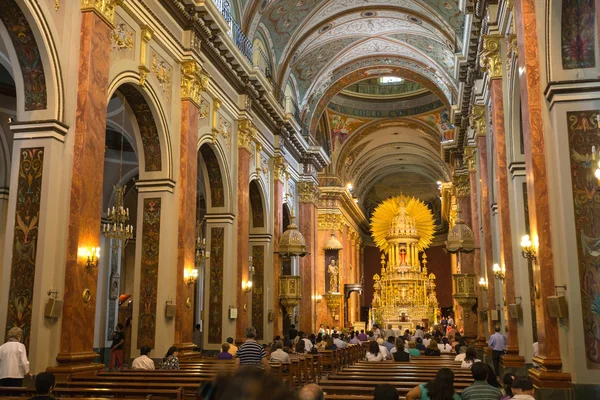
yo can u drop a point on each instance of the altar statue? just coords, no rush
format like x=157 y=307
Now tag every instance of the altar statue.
x=333 y=276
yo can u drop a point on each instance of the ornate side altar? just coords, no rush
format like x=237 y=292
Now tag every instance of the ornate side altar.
x=404 y=293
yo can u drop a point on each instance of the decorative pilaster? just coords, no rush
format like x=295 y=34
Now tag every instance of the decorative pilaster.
x=490 y=58
x=308 y=196
x=550 y=374
x=77 y=333
x=279 y=173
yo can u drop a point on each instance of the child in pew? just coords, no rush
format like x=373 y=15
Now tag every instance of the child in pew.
x=225 y=354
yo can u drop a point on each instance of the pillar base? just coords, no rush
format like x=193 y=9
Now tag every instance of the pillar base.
x=512 y=361
x=185 y=349
x=75 y=363
x=550 y=374
x=480 y=343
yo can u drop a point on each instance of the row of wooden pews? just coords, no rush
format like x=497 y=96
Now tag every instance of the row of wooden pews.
x=358 y=381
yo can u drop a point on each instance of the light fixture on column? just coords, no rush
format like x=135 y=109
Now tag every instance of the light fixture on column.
x=499 y=272
x=190 y=275
x=527 y=248
x=200 y=244
x=483 y=283
x=247 y=285
x=92 y=257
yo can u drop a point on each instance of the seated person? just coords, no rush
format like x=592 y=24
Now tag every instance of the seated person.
x=385 y=391
x=44 y=383
x=445 y=346
x=432 y=349
x=427 y=339
x=383 y=349
x=279 y=355
x=374 y=353
x=522 y=388
x=143 y=361
x=329 y=344
x=419 y=345
x=441 y=387
x=400 y=354
x=225 y=354
x=171 y=361
x=461 y=354
x=412 y=349
x=470 y=358
x=301 y=347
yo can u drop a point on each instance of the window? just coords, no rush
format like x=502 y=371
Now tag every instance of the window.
x=390 y=79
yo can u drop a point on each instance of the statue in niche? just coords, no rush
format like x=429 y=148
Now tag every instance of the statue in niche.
x=333 y=271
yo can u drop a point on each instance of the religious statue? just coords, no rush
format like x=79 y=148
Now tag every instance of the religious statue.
x=334 y=280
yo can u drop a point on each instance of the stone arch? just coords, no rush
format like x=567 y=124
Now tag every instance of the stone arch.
x=215 y=176
x=258 y=217
x=152 y=135
x=34 y=61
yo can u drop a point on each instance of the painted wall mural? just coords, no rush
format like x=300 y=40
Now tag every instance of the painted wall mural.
x=215 y=294
x=147 y=127
x=27 y=216
x=149 y=272
x=258 y=295
x=577 y=36
x=583 y=134
x=28 y=54
x=217 y=193
x=258 y=215
x=342 y=126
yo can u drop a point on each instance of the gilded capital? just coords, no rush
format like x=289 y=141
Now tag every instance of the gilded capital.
x=246 y=134
x=279 y=169
x=490 y=59
x=469 y=156
x=193 y=81
x=308 y=192
x=462 y=185
x=330 y=222
x=105 y=9
x=477 y=120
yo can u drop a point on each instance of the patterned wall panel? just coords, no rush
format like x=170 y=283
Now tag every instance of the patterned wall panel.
x=258 y=215
x=28 y=54
x=215 y=301
x=147 y=126
x=27 y=215
x=583 y=134
x=217 y=193
x=577 y=34
x=258 y=290
x=149 y=272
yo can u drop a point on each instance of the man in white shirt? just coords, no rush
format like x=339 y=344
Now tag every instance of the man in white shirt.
x=143 y=361
x=383 y=349
x=279 y=355
x=419 y=332
x=307 y=343
x=13 y=359
x=339 y=342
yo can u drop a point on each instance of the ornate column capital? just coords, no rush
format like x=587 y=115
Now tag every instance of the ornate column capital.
x=308 y=192
x=279 y=169
x=490 y=59
x=477 y=120
x=105 y=9
x=469 y=156
x=331 y=222
x=462 y=185
x=246 y=134
x=193 y=81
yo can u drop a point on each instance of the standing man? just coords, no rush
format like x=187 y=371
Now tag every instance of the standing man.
x=293 y=332
x=497 y=343
x=444 y=325
x=116 y=350
x=419 y=332
x=251 y=353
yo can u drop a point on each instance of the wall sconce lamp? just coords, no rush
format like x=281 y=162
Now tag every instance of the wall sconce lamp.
x=499 y=273
x=246 y=286
x=484 y=284
x=92 y=256
x=190 y=275
x=527 y=248
x=317 y=298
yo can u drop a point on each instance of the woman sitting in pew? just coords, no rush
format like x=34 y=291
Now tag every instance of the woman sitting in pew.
x=400 y=354
x=329 y=344
x=301 y=347
x=374 y=354
x=171 y=361
x=470 y=358
x=412 y=349
x=440 y=388
x=432 y=349
x=445 y=347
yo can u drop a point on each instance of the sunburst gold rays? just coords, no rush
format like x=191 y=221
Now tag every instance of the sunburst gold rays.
x=415 y=208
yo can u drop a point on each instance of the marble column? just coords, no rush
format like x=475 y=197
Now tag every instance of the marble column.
x=77 y=333
x=479 y=120
x=307 y=224
x=550 y=372
x=470 y=158
x=243 y=223
x=193 y=81
x=512 y=357
x=279 y=172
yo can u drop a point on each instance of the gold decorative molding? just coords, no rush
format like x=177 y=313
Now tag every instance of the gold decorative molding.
x=462 y=186
x=490 y=59
x=279 y=169
x=511 y=52
x=308 y=192
x=469 y=156
x=162 y=70
x=246 y=134
x=331 y=222
x=478 y=120
x=146 y=35
x=203 y=109
x=105 y=9
x=194 y=80
x=510 y=4
x=215 y=111
x=122 y=39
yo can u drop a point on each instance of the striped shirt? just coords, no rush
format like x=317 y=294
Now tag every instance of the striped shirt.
x=251 y=353
x=481 y=390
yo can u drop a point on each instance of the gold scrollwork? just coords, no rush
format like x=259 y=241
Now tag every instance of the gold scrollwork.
x=246 y=134
x=490 y=59
x=193 y=81
x=279 y=168
x=308 y=192
x=469 y=155
x=163 y=74
x=478 y=120
x=86 y=295
x=105 y=9
x=121 y=37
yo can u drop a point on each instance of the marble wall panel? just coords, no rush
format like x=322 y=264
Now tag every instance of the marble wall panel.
x=577 y=34
x=22 y=275
x=258 y=290
x=215 y=294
